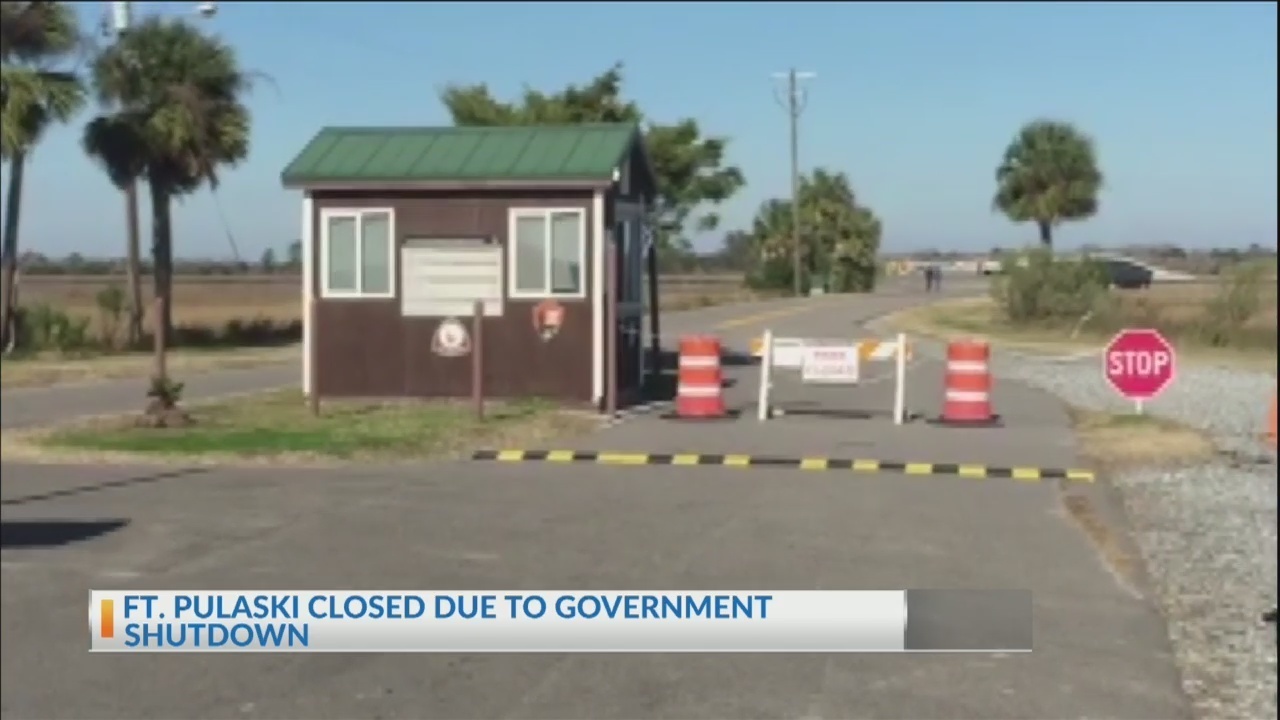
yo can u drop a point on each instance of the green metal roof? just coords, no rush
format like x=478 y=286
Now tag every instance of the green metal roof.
x=443 y=154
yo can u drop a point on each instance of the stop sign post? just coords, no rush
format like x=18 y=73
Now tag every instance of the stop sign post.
x=1140 y=364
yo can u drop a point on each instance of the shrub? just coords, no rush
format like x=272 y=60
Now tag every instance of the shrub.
x=849 y=275
x=772 y=274
x=1041 y=289
x=1238 y=300
x=165 y=391
x=111 y=306
x=44 y=327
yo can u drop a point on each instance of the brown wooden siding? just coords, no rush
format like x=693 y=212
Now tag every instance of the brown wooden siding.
x=365 y=348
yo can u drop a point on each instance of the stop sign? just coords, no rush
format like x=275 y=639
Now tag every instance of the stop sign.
x=1139 y=364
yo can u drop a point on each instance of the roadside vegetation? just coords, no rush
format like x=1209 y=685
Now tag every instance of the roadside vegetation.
x=277 y=426
x=162 y=130
x=1065 y=304
x=1050 y=175
x=1116 y=442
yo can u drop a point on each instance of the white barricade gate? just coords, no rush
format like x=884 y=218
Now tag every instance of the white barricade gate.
x=829 y=362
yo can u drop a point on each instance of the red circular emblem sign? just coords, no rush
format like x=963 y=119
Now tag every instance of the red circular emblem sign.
x=548 y=316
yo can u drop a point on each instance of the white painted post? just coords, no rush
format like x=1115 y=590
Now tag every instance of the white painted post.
x=900 y=382
x=307 y=240
x=766 y=376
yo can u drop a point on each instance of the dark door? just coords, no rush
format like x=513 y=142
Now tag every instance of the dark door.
x=628 y=334
x=628 y=349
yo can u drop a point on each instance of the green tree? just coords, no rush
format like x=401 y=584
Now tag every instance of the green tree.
x=840 y=239
x=1049 y=174
x=736 y=252
x=183 y=91
x=36 y=41
x=295 y=254
x=690 y=168
x=773 y=246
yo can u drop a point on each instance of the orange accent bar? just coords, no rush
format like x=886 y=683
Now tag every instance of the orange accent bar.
x=108 y=622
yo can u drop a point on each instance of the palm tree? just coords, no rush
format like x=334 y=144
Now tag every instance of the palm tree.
x=116 y=142
x=1049 y=174
x=35 y=38
x=179 y=99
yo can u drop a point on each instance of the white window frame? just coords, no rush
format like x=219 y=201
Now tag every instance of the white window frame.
x=357 y=214
x=544 y=214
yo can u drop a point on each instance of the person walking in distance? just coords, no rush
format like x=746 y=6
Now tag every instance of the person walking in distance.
x=928 y=278
x=937 y=278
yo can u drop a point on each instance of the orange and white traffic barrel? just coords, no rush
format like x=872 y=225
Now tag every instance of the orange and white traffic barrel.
x=700 y=383
x=967 y=397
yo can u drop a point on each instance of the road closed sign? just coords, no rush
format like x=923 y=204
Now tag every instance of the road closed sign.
x=832 y=364
x=1140 y=364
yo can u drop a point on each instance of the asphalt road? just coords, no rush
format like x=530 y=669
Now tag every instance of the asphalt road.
x=1100 y=649
x=30 y=407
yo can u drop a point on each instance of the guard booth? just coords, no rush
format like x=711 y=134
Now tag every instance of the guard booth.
x=786 y=361
x=403 y=229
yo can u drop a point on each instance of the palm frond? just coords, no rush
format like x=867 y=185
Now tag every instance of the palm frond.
x=1049 y=173
x=32 y=99
x=34 y=31
x=187 y=90
x=117 y=143
x=38 y=38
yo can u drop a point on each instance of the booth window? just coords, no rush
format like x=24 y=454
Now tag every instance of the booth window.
x=357 y=253
x=548 y=252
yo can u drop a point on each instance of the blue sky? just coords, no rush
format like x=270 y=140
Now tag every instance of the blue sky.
x=916 y=102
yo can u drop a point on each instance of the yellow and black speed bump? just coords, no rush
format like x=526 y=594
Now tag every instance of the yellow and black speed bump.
x=1026 y=474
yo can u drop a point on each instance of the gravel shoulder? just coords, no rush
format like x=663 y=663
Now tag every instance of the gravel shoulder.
x=1207 y=533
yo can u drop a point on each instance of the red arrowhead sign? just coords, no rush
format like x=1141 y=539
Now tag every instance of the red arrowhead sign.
x=1140 y=364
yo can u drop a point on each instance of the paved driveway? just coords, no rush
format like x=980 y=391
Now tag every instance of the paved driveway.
x=1100 y=648
x=1099 y=651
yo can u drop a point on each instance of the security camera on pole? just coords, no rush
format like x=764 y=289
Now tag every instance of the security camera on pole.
x=121 y=15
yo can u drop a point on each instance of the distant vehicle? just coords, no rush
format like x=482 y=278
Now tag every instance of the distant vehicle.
x=1127 y=275
x=990 y=267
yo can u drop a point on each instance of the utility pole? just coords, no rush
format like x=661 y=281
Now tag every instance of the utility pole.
x=794 y=102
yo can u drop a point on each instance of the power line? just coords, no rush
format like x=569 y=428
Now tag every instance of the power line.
x=794 y=102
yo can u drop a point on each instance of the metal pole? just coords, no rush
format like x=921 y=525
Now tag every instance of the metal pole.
x=794 y=105
x=611 y=322
x=313 y=351
x=477 y=359
x=793 y=110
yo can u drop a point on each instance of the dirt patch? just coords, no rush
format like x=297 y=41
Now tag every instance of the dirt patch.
x=1118 y=442
x=1114 y=443
x=277 y=427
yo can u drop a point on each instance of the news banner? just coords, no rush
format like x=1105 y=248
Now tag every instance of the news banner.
x=568 y=621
